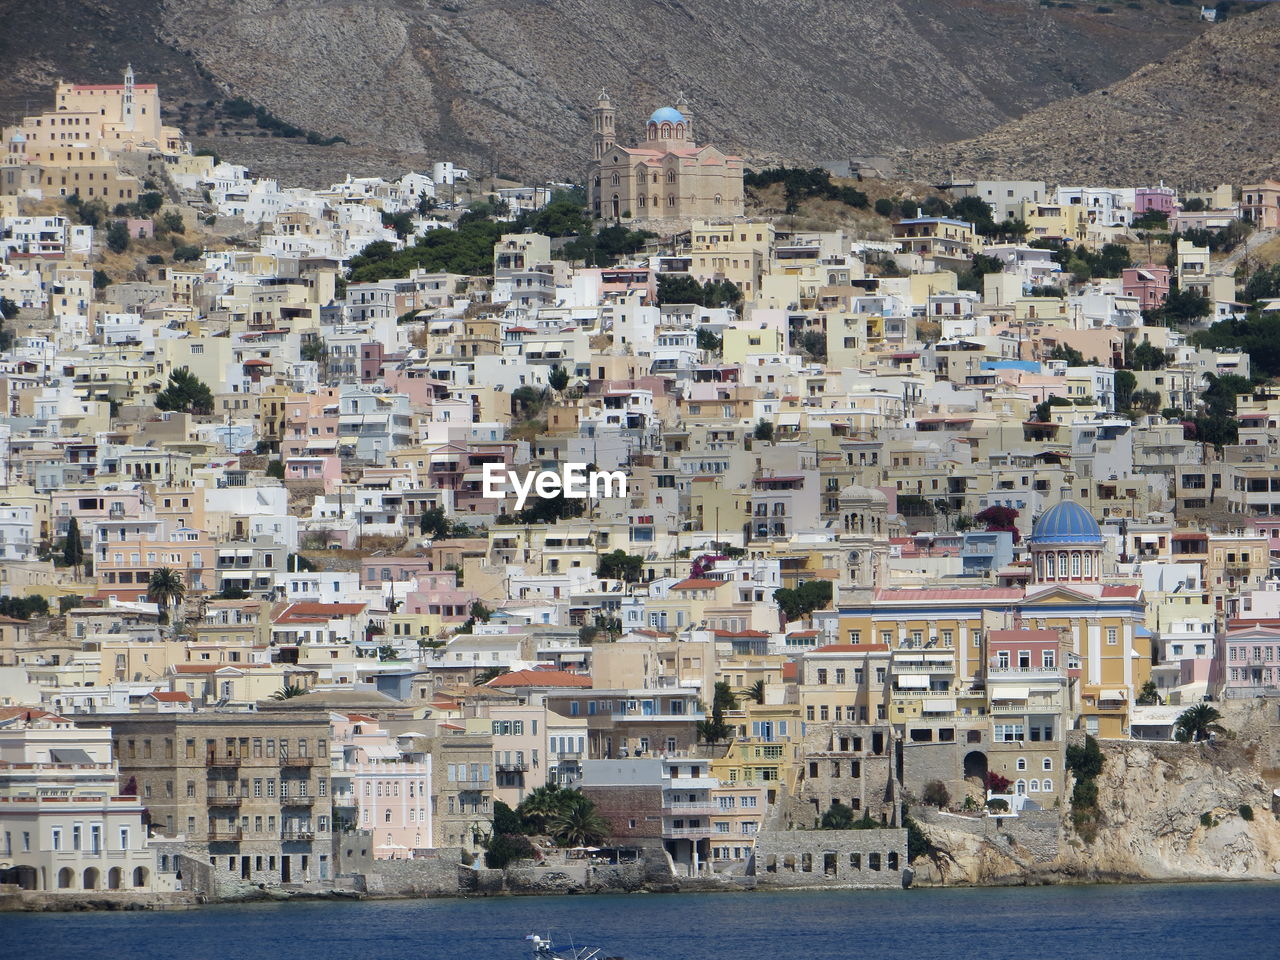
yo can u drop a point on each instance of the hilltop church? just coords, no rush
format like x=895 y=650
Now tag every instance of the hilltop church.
x=667 y=176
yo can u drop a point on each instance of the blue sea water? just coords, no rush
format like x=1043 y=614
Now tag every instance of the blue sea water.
x=1147 y=922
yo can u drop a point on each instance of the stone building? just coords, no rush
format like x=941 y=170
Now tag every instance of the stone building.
x=667 y=176
x=842 y=858
x=248 y=791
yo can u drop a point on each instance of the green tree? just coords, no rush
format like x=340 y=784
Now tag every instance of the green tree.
x=1147 y=357
x=709 y=341
x=717 y=729
x=504 y=848
x=620 y=565
x=814 y=343
x=935 y=794
x=275 y=468
x=558 y=378
x=837 y=817
x=579 y=824
x=187 y=252
x=118 y=237
x=1197 y=723
x=764 y=430
x=802 y=600
x=387 y=652
x=314 y=350
x=185 y=393
x=150 y=202
x=73 y=547
x=167 y=589
x=24 y=608
x=541 y=806
x=1149 y=695
x=1086 y=760
x=171 y=222
x=1070 y=354
x=1125 y=382
x=289 y=691
x=757 y=691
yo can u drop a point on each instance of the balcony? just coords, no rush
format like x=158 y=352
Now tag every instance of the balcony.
x=691 y=783
x=297 y=761
x=225 y=835
x=514 y=766
x=297 y=801
x=687 y=833
x=288 y=835
x=707 y=807
x=215 y=761
x=226 y=801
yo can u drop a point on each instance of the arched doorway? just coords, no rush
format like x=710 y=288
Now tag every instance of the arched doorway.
x=21 y=876
x=114 y=876
x=66 y=878
x=975 y=765
x=92 y=878
x=141 y=876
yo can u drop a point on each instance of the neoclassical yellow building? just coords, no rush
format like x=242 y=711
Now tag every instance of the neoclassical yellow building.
x=668 y=176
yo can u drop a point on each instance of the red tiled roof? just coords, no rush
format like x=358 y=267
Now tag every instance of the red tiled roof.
x=170 y=696
x=790 y=670
x=696 y=583
x=759 y=634
x=540 y=678
x=310 y=610
x=1120 y=591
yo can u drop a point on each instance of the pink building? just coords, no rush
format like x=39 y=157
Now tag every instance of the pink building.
x=309 y=425
x=378 y=786
x=316 y=469
x=1150 y=284
x=375 y=571
x=1159 y=199
x=1250 y=658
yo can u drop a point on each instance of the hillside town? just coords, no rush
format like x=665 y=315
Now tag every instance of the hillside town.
x=413 y=529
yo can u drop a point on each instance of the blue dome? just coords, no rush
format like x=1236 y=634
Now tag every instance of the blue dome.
x=666 y=115
x=1066 y=522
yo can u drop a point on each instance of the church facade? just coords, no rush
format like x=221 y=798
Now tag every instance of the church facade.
x=666 y=177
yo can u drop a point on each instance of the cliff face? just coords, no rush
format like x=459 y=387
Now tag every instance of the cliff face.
x=1203 y=115
x=508 y=84
x=1151 y=798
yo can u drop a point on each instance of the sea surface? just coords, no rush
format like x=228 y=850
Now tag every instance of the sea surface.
x=1146 y=922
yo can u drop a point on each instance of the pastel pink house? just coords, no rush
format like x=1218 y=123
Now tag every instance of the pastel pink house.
x=1149 y=283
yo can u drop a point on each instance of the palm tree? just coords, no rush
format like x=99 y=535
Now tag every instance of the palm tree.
x=543 y=805
x=756 y=691
x=289 y=691
x=1197 y=723
x=167 y=588
x=580 y=825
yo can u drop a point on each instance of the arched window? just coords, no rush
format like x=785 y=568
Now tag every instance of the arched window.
x=642 y=199
x=1088 y=564
x=616 y=180
x=386 y=817
x=680 y=131
x=666 y=131
x=653 y=131
x=1035 y=786
x=1022 y=763
x=1039 y=566
x=1020 y=787
x=1062 y=565
x=671 y=176
x=1046 y=785
x=1048 y=763
x=655 y=197
x=1075 y=564
x=717 y=200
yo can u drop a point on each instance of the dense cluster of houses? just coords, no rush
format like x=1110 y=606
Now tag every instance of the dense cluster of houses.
x=880 y=534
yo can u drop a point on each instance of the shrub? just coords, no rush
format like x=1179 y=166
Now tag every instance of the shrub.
x=1207 y=821
x=997 y=805
x=935 y=793
x=1246 y=811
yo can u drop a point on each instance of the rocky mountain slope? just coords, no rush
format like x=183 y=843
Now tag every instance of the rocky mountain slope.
x=1206 y=114
x=507 y=85
x=1152 y=800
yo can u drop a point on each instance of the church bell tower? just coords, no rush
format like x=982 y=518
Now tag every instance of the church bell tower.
x=602 y=135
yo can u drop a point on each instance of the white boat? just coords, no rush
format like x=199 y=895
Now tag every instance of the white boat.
x=544 y=950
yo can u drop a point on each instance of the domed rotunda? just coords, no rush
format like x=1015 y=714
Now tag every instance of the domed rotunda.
x=1066 y=545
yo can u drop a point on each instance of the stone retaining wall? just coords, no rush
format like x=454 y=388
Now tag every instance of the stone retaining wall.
x=831 y=858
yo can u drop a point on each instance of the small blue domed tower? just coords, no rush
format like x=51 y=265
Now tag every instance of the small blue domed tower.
x=1066 y=545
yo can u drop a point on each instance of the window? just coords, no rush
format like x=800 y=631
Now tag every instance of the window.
x=1022 y=763
x=1112 y=635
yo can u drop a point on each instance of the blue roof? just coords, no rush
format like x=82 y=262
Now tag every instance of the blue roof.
x=666 y=115
x=1066 y=522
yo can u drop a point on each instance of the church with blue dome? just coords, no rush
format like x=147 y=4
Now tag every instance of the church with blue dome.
x=1066 y=545
x=665 y=176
